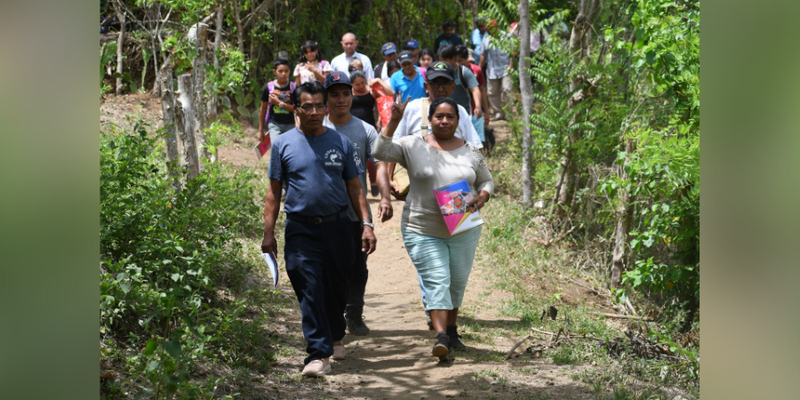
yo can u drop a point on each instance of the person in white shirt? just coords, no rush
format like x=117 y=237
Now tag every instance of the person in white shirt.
x=341 y=62
x=440 y=82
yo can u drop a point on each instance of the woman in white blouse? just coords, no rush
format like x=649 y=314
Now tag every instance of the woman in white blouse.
x=311 y=67
x=443 y=261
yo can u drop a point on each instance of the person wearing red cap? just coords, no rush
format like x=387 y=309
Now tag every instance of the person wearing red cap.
x=498 y=64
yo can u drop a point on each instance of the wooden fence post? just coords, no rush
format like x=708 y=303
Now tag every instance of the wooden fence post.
x=186 y=123
x=198 y=86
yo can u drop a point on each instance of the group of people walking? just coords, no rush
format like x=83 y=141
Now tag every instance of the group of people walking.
x=324 y=126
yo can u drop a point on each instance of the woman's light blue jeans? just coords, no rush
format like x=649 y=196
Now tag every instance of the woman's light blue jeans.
x=443 y=264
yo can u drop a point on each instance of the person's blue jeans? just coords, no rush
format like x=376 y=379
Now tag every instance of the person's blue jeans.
x=478 y=124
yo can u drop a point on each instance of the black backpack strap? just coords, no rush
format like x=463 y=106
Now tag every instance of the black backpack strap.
x=463 y=82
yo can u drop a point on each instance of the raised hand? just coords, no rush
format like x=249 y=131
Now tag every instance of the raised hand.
x=399 y=108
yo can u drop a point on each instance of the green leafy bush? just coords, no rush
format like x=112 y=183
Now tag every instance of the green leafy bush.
x=165 y=255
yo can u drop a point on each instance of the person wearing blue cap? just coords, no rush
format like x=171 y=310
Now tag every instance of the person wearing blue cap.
x=413 y=46
x=363 y=136
x=389 y=55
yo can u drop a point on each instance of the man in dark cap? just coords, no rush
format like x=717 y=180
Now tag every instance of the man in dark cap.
x=408 y=80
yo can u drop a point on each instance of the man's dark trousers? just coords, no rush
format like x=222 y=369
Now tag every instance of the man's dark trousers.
x=358 y=276
x=319 y=259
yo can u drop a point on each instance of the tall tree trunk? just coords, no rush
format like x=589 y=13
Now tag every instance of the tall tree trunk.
x=212 y=87
x=198 y=87
x=120 y=45
x=157 y=89
x=526 y=92
x=174 y=161
x=624 y=216
x=474 y=6
x=463 y=17
x=366 y=6
x=186 y=124
x=239 y=28
x=578 y=45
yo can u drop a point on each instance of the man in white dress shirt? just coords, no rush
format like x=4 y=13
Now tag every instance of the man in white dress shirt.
x=342 y=61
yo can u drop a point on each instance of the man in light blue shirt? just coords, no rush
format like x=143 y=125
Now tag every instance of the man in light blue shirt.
x=477 y=36
x=408 y=80
x=498 y=82
x=341 y=62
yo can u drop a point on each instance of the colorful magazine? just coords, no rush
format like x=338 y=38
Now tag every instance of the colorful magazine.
x=453 y=201
x=263 y=146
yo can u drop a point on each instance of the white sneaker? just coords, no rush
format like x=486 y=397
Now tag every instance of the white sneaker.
x=317 y=368
x=338 y=350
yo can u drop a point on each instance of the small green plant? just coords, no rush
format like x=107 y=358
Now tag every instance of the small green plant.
x=108 y=51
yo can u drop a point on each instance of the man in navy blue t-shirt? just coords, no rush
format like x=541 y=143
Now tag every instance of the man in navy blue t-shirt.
x=321 y=168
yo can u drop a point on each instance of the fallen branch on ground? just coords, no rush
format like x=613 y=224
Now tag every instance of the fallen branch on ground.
x=510 y=352
x=624 y=317
x=591 y=289
x=556 y=339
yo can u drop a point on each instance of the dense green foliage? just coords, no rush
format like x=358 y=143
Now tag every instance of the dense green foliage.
x=167 y=259
x=639 y=86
